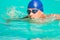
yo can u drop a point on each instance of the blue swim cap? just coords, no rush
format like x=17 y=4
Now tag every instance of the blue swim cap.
x=36 y=4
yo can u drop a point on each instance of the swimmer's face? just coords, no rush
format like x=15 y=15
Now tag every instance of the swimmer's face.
x=34 y=13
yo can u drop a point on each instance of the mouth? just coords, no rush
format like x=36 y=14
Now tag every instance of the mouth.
x=30 y=17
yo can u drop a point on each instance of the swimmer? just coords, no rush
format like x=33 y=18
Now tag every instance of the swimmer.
x=35 y=10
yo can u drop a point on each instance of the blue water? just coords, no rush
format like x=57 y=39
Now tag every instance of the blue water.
x=27 y=30
x=24 y=29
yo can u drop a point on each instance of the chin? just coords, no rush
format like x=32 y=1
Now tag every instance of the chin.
x=31 y=17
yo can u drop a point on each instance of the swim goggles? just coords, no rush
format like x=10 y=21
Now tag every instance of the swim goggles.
x=33 y=11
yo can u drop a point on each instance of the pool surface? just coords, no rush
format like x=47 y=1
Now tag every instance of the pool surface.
x=25 y=30
x=28 y=29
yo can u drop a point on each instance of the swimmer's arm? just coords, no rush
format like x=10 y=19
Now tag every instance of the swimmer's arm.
x=12 y=19
x=55 y=15
x=16 y=18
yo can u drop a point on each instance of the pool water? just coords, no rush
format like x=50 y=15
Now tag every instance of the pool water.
x=26 y=30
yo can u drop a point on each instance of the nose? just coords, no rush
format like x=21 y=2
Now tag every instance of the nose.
x=31 y=14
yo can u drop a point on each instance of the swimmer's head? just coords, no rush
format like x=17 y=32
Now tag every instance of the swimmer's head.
x=35 y=9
